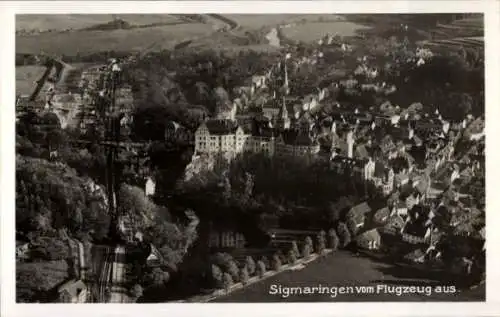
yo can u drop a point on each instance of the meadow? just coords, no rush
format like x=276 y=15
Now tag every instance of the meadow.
x=309 y=32
x=257 y=21
x=43 y=22
x=81 y=42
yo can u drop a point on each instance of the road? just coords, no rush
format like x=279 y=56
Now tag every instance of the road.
x=344 y=269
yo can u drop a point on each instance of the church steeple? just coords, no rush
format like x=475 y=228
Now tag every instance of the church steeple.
x=284 y=119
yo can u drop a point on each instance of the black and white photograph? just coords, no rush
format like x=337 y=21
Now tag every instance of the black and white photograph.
x=249 y=158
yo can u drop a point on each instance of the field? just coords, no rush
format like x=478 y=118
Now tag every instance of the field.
x=257 y=21
x=344 y=269
x=465 y=33
x=165 y=36
x=71 y=43
x=308 y=32
x=27 y=75
x=43 y=22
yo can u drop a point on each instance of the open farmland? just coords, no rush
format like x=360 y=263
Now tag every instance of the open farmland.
x=257 y=21
x=118 y=40
x=58 y=22
x=465 y=33
x=28 y=74
x=308 y=32
x=26 y=77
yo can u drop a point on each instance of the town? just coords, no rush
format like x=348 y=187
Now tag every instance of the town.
x=154 y=186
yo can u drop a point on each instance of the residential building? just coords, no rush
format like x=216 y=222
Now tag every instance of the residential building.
x=369 y=240
x=150 y=187
x=226 y=239
x=73 y=291
x=381 y=216
x=359 y=213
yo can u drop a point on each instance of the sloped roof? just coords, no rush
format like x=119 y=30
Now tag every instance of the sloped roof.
x=379 y=169
x=293 y=137
x=221 y=127
x=360 y=209
x=370 y=235
x=361 y=151
x=72 y=287
x=381 y=214
x=416 y=228
x=414 y=255
x=422 y=186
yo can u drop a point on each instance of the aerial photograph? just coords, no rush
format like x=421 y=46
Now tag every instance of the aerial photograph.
x=243 y=158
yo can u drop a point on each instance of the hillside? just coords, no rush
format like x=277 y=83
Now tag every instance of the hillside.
x=60 y=22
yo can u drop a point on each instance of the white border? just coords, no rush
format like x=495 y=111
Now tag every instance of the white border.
x=7 y=81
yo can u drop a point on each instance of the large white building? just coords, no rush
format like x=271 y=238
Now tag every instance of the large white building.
x=228 y=138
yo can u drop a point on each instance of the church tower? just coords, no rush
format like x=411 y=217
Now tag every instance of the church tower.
x=284 y=119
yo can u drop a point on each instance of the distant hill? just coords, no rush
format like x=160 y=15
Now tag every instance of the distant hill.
x=117 y=24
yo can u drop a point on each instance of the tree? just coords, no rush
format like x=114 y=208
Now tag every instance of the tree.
x=250 y=265
x=321 y=242
x=352 y=226
x=292 y=256
x=306 y=251
x=227 y=281
x=35 y=280
x=157 y=277
x=136 y=292
x=276 y=263
x=295 y=248
x=49 y=249
x=223 y=260
x=333 y=239
x=217 y=276
x=233 y=270
x=260 y=269
x=308 y=241
x=344 y=235
x=244 y=276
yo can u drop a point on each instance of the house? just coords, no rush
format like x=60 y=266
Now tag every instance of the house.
x=358 y=213
x=150 y=187
x=401 y=179
x=394 y=225
x=383 y=177
x=381 y=216
x=226 y=239
x=174 y=132
x=369 y=240
x=73 y=291
x=416 y=232
x=154 y=259
x=416 y=256
x=411 y=200
x=399 y=208
x=22 y=250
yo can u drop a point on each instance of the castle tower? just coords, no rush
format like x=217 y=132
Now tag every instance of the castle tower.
x=350 y=144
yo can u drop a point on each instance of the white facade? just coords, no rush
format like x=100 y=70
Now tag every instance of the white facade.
x=233 y=143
